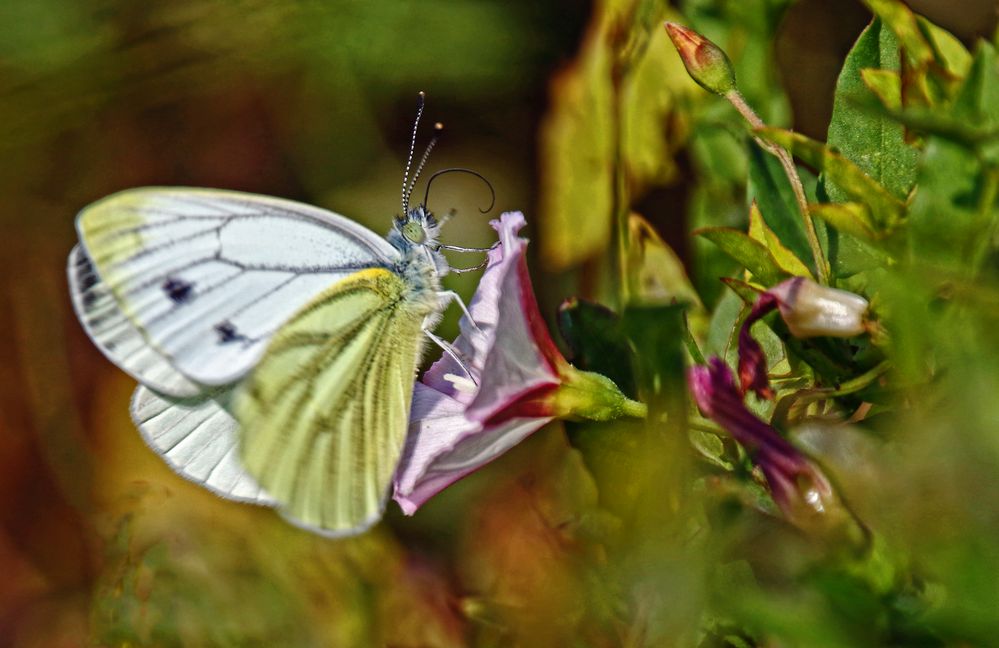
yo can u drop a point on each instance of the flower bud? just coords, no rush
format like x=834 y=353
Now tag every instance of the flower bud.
x=798 y=486
x=811 y=310
x=706 y=63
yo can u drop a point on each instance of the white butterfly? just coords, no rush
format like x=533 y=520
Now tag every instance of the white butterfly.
x=275 y=343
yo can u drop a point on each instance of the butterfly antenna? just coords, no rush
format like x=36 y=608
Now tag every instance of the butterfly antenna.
x=492 y=192
x=412 y=148
x=438 y=130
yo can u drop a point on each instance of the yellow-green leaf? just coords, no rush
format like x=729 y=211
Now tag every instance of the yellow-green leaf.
x=609 y=112
x=785 y=258
x=652 y=132
x=852 y=218
x=656 y=274
x=576 y=151
x=886 y=84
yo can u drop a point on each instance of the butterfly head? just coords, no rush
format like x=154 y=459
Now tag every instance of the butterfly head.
x=415 y=235
x=418 y=227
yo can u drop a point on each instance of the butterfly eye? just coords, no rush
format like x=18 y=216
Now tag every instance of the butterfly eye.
x=414 y=232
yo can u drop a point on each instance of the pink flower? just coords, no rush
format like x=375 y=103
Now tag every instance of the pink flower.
x=798 y=486
x=519 y=382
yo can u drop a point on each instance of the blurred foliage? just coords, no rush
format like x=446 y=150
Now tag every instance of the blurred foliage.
x=649 y=190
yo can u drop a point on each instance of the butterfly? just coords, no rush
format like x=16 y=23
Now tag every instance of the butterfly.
x=275 y=344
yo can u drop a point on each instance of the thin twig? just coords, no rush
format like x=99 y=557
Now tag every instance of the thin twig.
x=821 y=265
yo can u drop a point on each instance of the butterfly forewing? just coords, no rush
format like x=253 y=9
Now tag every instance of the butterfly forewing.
x=116 y=335
x=324 y=412
x=205 y=277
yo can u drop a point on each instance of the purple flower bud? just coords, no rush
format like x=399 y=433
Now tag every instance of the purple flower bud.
x=798 y=487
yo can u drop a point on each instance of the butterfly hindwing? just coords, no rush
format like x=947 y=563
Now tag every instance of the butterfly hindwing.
x=205 y=277
x=324 y=413
x=199 y=438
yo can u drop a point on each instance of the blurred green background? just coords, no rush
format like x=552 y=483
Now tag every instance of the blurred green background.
x=310 y=100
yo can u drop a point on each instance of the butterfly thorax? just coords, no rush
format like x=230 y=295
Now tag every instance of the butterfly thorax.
x=422 y=264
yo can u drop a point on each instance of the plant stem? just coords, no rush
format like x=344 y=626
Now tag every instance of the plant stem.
x=634 y=409
x=821 y=265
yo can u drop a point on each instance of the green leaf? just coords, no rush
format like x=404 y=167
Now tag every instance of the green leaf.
x=657 y=333
x=724 y=322
x=710 y=447
x=954 y=210
x=753 y=255
x=886 y=210
x=977 y=101
x=945 y=221
x=872 y=140
x=593 y=333
x=875 y=143
x=949 y=52
x=770 y=188
x=746 y=291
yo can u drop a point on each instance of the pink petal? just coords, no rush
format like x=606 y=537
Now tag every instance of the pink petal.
x=456 y=430
x=752 y=360
x=443 y=446
x=475 y=342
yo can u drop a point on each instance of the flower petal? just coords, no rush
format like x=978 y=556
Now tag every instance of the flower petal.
x=797 y=485
x=457 y=425
x=510 y=353
x=443 y=446
x=752 y=360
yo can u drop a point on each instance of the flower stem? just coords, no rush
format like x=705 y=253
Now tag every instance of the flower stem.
x=739 y=102
x=634 y=409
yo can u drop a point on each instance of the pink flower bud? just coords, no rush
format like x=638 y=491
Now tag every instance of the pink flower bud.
x=706 y=63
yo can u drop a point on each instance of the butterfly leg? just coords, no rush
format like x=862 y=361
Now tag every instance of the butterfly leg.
x=450 y=350
x=448 y=296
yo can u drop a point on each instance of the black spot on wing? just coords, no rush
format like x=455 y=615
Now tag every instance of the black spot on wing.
x=178 y=290
x=227 y=333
